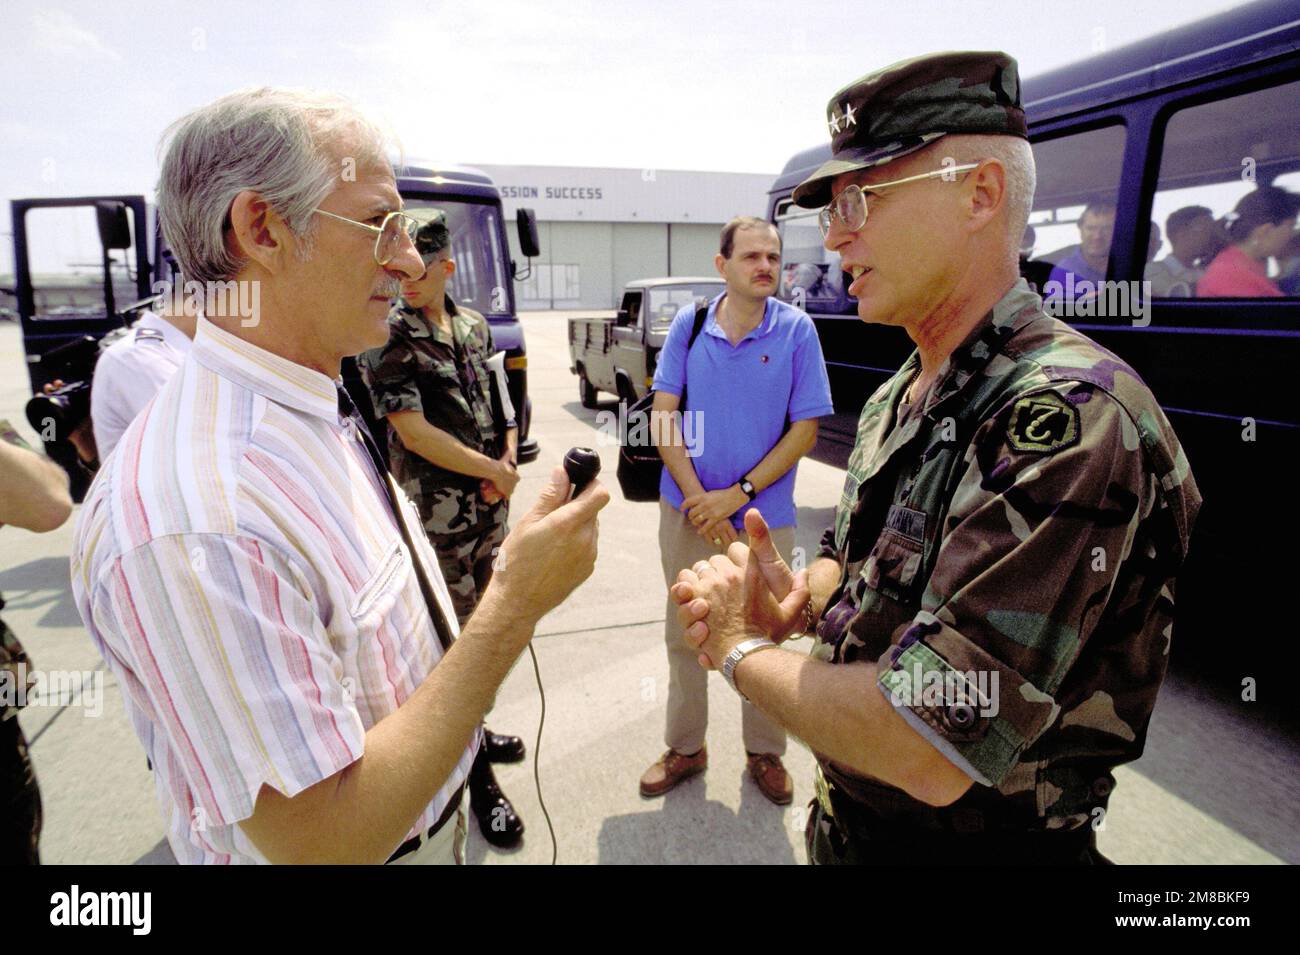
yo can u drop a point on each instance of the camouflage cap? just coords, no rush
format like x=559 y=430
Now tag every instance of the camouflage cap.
x=899 y=109
x=432 y=235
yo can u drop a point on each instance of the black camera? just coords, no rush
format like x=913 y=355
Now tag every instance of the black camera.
x=56 y=415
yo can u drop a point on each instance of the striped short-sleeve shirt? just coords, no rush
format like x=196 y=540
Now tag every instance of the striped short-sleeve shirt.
x=239 y=567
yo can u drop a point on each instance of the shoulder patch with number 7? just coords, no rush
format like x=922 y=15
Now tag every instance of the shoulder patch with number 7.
x=1044 y=423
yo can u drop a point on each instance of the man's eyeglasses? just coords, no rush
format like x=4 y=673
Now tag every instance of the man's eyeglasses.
x=850 y=206
x=388 y=235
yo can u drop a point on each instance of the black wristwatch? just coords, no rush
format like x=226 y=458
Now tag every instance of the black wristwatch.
x=748 y=488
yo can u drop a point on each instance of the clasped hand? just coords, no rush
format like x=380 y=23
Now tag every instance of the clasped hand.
x=710 y=513
x=747 y=591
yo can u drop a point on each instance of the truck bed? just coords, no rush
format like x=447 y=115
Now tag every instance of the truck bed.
x=590 y=335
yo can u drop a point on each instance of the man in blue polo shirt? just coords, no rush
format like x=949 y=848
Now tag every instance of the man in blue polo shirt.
x=755 y=385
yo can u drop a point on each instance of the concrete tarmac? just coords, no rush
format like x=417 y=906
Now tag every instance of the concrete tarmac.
x=1218 y=782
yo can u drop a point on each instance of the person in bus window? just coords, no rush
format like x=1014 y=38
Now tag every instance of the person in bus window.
x=1088 y=262
x=1259 y=228
x=1192 y=234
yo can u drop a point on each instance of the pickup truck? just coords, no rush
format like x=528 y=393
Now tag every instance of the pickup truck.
x=617 y=353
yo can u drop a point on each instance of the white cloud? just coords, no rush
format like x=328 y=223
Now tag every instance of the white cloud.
x=57 y=32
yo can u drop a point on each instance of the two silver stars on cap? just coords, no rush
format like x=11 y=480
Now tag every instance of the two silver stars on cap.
x=847 y=119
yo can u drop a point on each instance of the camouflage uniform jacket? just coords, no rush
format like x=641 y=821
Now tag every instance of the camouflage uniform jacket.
x=1009 y=550
x=446 y=379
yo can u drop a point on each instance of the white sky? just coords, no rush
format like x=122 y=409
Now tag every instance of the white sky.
x=673 y=84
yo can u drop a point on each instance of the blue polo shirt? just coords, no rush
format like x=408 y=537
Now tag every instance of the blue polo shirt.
x=1076 y=263
x=740 y=398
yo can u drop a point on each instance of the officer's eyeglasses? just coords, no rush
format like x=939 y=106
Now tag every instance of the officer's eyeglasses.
x=388 y=235
x=850 y=206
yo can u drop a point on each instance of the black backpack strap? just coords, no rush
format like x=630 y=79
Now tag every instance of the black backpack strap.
x=701 y=314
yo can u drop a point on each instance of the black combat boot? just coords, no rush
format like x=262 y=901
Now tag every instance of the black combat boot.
x=497 y=819
x=502 y=749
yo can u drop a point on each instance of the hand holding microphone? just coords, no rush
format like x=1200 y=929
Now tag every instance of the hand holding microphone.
x=581 y=465
x=553 y=547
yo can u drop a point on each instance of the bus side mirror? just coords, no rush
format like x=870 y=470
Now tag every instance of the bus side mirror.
x=114 y=228
x=529 y=244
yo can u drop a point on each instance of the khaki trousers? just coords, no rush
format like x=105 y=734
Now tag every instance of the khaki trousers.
x=688 y=698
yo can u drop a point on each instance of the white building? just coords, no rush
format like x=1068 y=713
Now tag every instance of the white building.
x=601 y=228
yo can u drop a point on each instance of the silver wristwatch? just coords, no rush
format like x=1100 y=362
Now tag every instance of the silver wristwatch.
x=738 y=653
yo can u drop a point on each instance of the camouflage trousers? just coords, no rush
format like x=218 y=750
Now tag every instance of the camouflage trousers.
x=466 y=560
x=839 y=832
x=20 y=798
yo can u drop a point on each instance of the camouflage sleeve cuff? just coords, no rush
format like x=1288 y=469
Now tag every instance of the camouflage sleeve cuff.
x=982 y=711
x=390 y=402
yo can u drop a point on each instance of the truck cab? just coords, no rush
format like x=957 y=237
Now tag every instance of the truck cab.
x=617 y=354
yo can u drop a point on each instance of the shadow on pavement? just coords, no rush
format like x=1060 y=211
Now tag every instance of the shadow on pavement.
x=161 y=854
x=42 y=583
x=1248 y=783
x=690 y=828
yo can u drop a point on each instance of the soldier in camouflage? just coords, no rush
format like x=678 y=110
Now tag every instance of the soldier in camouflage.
x=993 y=606
x=452 y=443
x=35 y=497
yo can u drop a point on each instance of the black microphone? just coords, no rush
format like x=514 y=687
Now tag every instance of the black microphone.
x=582 y=465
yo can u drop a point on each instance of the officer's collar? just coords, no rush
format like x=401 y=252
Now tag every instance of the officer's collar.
x=1016 y=309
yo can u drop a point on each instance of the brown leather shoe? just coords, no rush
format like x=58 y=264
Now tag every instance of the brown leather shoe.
x=670 y=769
x=772 y=779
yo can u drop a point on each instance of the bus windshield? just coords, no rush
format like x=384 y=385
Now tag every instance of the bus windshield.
x=479 y=281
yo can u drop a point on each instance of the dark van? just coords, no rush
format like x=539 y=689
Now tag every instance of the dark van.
x=1172 y=131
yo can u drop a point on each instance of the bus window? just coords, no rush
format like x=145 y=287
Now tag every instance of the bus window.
x=1225 y=199
x=810 y=276
x=1073 y=215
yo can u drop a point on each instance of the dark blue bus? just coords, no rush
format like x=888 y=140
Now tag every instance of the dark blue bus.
x=1193 y=118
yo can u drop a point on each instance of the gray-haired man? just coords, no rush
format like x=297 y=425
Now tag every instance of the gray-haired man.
x=253 y=577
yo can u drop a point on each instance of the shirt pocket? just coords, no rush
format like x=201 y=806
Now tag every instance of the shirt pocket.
x=374 y=599
x=439 y=381
x=892 y=567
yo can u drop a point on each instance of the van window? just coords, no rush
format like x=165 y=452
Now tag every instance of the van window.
x=667 y=300
x=810 y=276
x=1073 y=217
x=1215 y=155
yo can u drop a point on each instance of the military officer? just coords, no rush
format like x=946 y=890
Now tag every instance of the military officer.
x=454 y=456
x=993 y=606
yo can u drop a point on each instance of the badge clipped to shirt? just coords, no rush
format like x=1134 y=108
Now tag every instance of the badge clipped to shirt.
x=1043 y=423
